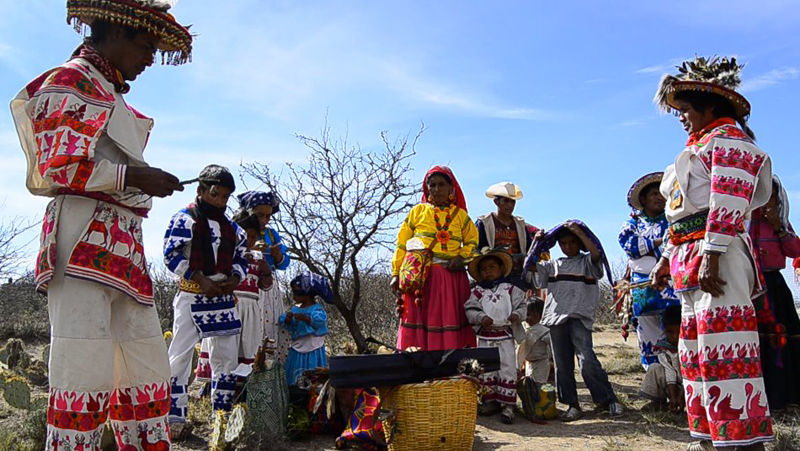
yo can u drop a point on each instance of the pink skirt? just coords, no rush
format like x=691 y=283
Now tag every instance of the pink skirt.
x=439 y=322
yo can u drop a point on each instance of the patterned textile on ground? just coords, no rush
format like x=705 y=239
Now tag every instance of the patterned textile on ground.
x=364 y=429
x=538 y=400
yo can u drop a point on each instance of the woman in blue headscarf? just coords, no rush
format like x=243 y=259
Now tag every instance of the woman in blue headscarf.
x=263 y=206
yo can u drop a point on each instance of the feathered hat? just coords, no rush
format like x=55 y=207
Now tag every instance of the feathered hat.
x=151 y=15
x=715 y=75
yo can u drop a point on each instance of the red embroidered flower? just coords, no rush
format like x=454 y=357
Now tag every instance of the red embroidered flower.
x=706 y=370
x=751 y=324
x=721 y=371
x=754 y=369
x=738 y=367
x=719 y=325
x=737 y=323
x=735 y=430
x=443 y=236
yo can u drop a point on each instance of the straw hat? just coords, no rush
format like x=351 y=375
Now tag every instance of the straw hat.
x=639 y=185
x=504 y=189
x=151 y=15
x=499 y=253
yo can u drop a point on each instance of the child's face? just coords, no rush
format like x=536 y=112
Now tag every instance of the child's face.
x=263 y=213
x=489 y=269
x=252 y=238
x=216 y=195
x=533 y=317
x=673 y=332
x=302 y=299
x=570 y=245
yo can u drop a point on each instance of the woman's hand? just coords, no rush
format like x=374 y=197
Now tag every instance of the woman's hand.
x=289 y=316
x=302 y=317
x=275 y=251
x=709 y=279
x=772 y=217
x=395 y=284
x=659 y=276
x=456 y=263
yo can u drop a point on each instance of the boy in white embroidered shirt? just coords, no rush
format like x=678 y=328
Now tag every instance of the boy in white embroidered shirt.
x=496 y=308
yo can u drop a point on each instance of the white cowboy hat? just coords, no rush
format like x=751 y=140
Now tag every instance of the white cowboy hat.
x=504 y=189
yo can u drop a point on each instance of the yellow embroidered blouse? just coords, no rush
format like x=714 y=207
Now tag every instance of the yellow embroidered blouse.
x=421 y=224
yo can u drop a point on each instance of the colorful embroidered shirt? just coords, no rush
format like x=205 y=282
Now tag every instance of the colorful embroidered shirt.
x=420 y=223
x=637 y=238
x=724 y=174
x=498 y=303
x=307 y=337
x=79 y=137
x=249 y=285
x=178 y=242
x=272 y=237
x=572 y=289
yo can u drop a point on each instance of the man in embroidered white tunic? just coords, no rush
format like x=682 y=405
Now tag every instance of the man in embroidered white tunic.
x=84 y=148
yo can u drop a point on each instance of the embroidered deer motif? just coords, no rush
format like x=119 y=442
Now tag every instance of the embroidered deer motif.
x=119 y=235
x=144 y=440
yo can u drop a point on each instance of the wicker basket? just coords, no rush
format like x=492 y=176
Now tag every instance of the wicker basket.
x=438 y=415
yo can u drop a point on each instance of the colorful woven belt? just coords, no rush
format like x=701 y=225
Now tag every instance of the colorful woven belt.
x=688 y=229
x=190 y=286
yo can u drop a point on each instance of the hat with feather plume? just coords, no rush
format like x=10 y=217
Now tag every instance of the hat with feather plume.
x=153 y=16
x=717 y=75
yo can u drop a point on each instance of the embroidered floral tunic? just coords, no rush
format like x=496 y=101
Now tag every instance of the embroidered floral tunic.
x=421 y=224
x=79 y=137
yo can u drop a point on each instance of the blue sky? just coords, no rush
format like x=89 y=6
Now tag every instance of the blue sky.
x=555 y=96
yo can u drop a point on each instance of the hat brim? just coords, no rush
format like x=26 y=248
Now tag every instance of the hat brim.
x=175 y=42
x=639 y=185
x=503 y=256
x=740 y=104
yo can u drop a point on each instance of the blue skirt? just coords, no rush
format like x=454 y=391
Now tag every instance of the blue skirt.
x=297 y=362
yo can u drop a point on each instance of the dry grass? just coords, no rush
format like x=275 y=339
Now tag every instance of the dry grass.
x=625 y=360
x=787 y=433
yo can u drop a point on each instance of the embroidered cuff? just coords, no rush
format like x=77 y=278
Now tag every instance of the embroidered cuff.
x=122 y=172
x=712 y=248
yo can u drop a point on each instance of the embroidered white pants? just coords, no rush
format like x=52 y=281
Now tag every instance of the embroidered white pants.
x=223 y=358
x=108 y=358
x=502 y=384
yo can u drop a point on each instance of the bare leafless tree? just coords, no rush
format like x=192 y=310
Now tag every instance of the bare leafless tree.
x=12 y=245
x=337 y=211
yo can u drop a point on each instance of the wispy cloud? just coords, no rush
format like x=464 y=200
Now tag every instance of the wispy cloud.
x=632 y=123
x=770 y=78
x=660 y=68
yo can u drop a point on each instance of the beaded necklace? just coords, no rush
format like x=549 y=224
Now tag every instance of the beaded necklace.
x=443 y=234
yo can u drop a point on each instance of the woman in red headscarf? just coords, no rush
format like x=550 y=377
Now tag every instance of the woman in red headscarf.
x=435 y=320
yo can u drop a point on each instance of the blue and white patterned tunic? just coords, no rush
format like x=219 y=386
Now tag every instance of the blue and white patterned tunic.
x=213 y=316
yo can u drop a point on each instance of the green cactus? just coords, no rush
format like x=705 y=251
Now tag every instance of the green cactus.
x=3 y=377
x=217 y=439
x=17 y=393
x=236 y=424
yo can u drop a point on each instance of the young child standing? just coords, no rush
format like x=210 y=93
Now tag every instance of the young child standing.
x=496 y=308
x=534 y=354
x=206 y=250
x=308 y=324
x=569 y=312
x=663 y=384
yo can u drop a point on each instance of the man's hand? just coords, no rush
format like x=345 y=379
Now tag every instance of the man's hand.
x=487 y=321
x=513 y=319
x=676 y=401
x=659 y=276
x=152 y=181
x=709 y=278
x=228 y=285
x=207 y=286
